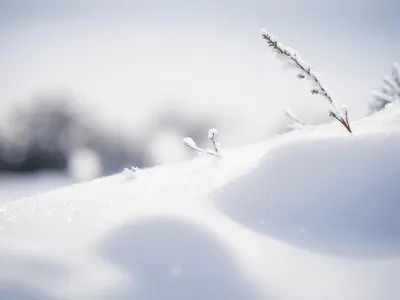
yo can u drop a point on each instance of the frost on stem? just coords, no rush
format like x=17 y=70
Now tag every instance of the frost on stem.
x=297 y=123
x=291 y=58
x=131 y=172
x=211 y=136
x=389 y=91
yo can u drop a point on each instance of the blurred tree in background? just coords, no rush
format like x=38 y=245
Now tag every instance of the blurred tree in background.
x=53 y=132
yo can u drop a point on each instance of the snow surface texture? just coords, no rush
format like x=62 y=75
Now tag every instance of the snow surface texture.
x=309 y=215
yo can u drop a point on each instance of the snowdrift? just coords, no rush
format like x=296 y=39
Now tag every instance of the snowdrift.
x=334 y=195
x=312 y=214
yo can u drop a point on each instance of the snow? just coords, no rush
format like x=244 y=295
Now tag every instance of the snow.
x=14 y=186
x=131 y=172
x=311 y=214
x=297 y=122
x=189 y=142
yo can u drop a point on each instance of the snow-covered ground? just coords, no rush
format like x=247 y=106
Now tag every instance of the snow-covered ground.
x=312 y=214
x=14 y=186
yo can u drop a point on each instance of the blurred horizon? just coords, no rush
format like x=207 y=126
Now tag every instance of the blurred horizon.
x=139 y=76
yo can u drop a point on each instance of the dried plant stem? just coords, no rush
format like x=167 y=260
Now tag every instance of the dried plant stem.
x=293 y=58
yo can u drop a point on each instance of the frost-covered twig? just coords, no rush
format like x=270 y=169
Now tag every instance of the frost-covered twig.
x=292 y=58
x=297 y=123
x=211 y=135
x=390 y=90
x=131 y=172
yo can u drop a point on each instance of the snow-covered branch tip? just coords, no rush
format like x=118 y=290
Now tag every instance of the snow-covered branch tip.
x=390 y=90
x=291 y=58
x=211 y=136
x=297 y=123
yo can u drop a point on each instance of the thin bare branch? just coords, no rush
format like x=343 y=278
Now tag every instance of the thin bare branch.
x=293 y=58
x=299 y=63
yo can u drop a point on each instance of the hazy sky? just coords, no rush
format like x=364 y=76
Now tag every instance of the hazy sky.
x=124 y=58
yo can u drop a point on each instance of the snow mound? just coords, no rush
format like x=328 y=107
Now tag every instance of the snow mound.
x=310 y=215
x=334 y=195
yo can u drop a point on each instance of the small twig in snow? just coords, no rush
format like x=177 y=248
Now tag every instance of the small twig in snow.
x=211 y=135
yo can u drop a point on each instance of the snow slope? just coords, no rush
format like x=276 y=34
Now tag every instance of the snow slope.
x=14 y=186
x=312 y=214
